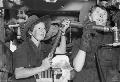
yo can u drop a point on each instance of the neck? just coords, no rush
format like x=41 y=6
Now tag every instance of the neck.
x=36 y=42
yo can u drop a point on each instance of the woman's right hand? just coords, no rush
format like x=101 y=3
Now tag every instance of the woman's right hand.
x=46 y=63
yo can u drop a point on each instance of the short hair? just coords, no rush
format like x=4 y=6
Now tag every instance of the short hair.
x=94 y=7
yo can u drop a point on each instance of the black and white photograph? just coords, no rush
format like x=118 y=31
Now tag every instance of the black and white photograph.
x=59 y=40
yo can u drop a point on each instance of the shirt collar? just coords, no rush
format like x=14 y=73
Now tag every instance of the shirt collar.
x=34 y=46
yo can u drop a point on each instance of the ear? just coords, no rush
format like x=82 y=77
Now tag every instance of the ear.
x=29 y=32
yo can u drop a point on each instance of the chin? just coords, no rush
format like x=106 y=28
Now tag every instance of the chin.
x=40 y=39
x=101 y=24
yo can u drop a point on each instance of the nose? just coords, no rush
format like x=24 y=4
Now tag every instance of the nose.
x=42 y=31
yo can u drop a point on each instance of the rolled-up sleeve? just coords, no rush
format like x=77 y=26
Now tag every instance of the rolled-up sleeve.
x=81 y=44
x=85 y=40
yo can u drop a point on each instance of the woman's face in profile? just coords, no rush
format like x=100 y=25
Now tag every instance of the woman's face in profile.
x=39 y=31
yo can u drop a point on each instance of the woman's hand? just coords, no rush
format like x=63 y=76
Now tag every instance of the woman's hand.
x=46 y=63
x=66 y=24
